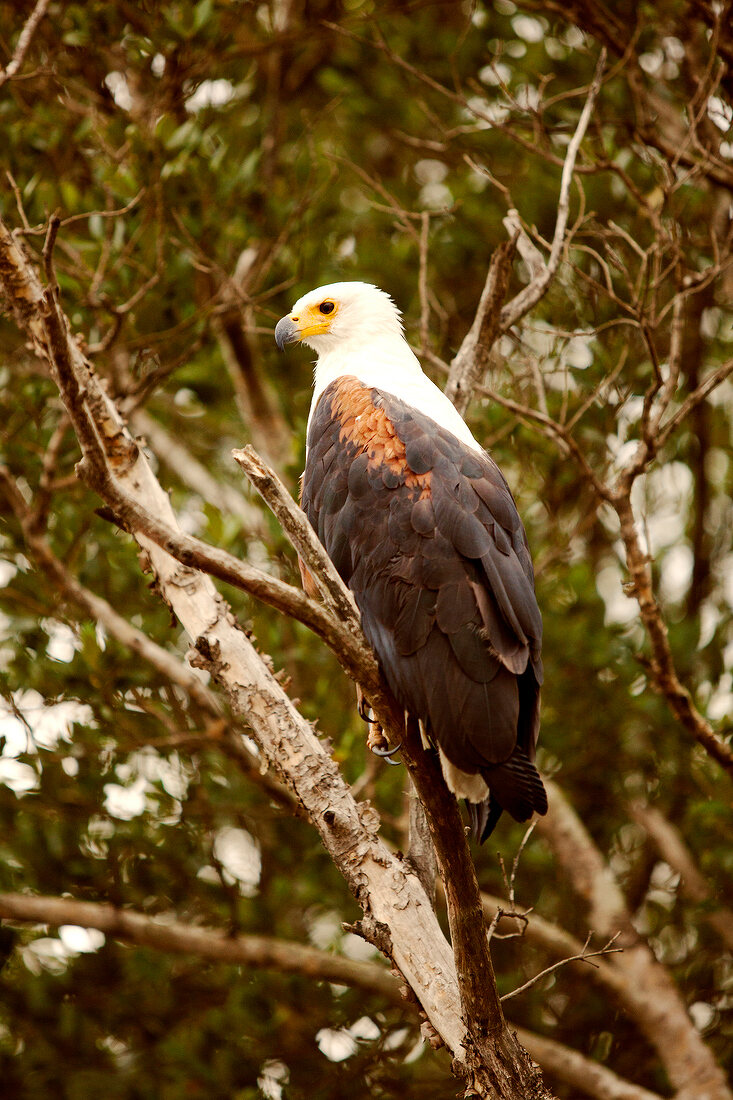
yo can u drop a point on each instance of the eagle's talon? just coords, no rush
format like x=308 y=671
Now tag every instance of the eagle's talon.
x=387 y=753
x=363 y=707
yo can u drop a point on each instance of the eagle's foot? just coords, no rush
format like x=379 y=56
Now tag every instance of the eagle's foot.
x=379 y=745
x=376 y=741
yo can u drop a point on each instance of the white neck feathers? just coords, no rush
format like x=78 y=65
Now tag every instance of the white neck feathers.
x=386 y=362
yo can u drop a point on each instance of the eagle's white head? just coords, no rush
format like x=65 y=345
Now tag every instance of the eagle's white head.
x=341 y=316
x=356 y=329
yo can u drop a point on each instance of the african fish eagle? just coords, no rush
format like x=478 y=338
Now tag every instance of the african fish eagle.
x=422 y=527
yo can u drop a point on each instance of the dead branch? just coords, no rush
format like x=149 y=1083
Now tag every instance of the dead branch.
x=288 y=957
x=472 y=359
x=663 y=669
x=458 y=996
x=583 y=956
x=24 y=40
x=530 y=295
x=590 y=1077
x=263 y=952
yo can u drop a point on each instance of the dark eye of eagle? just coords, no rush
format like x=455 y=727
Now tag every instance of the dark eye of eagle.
x=326 y=307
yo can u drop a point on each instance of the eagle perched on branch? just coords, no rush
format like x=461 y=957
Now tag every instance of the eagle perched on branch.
x=421 y=525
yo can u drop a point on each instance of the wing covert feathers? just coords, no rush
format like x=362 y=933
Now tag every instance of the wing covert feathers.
x=425 y=533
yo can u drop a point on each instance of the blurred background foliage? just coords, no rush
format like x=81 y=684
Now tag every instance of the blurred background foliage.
x=253 y=151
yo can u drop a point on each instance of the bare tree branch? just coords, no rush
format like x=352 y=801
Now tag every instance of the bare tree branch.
x=286 y=956
x=264 y=952
x=663 y=669
x=24 y=40
x=529 y=297
x=588 y=1076
x=459 y=997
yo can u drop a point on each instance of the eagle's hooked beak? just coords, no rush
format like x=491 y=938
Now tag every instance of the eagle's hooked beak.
x=287 y=331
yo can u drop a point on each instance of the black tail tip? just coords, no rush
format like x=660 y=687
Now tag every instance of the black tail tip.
x=483 y=817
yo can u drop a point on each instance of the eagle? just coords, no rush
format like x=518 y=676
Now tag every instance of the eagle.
x=422 y=527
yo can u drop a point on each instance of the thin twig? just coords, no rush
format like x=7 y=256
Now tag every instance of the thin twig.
x=528 y=297
x=584 y=956
x=24 y=40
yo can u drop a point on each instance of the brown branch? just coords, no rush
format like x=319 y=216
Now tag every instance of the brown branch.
x=588 y=1076
x=264 y=952
x=663 y=668
x=287 y=957
x=24 y=40
x=472 y=359
x=492 y=320
x=693 y=400
x=530 y=295
x=584 y=955
x=334 y=592
x=458 y=995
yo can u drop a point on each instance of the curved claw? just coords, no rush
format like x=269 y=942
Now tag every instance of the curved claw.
x=365 y=712
x=363 y=707
x=387 y=754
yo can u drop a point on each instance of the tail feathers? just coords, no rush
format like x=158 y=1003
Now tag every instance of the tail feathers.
x=514 y=786
x=483 y=817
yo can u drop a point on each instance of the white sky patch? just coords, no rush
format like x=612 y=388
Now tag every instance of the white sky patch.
x=157 y=65
x=720 y=704
x=703 y=1014
x=365 y=1028
x=132 y=795
x=45 y=953
x=720 y=113
x=354 y=947
x=676 y=572
x=81 y=941
x=8 y=569
x=528 y=97
x=651 y=62
x=46 y=723
x=191 y=517
x=273 y=1077
x=346 y=248
x=125 y=803
x=239 y=855
x=528 y=28
x=17 y=776
x=62 y=641
x=430 y=170
x=119 y=89
x=436 y=196
x=619 y=608
x=210 y=93
x=479 y=111
x=577 y=353
x=337 y=1045
x=324 y=929
x=495 y=74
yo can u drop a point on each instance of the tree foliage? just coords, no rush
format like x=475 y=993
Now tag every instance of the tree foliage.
x=207 y=163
